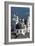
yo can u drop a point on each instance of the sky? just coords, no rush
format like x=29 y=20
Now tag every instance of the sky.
x=22 y=12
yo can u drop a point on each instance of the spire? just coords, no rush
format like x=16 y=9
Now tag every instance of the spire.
x=14 y=14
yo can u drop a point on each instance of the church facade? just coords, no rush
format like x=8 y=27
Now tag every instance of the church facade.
x=19 y=26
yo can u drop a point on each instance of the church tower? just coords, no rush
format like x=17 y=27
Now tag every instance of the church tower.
x=28 y=23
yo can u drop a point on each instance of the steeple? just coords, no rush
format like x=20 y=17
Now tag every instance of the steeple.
x=14 y=14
